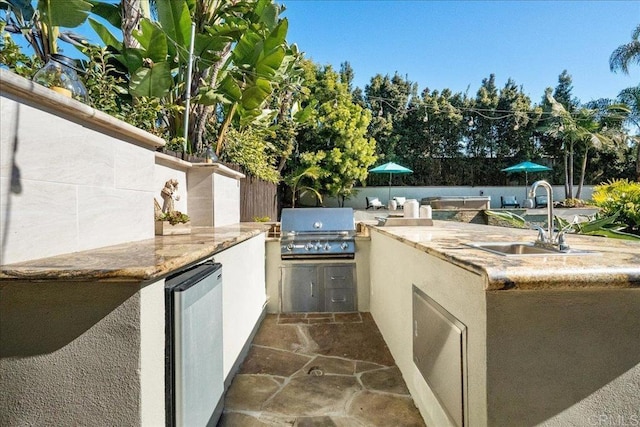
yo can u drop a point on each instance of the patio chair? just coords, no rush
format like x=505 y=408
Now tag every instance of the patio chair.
x=509 y=202
x=374 y=202
x=400 y=201
x=541 y=201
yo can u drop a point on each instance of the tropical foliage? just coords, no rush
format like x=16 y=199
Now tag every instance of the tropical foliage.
x=625 y=55
x=240 y=52
x=596 y=225
x=40 y=24
x=585 y=129
x=256 y=100
x=620 y=197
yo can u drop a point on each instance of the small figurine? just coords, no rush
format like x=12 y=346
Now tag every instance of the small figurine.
x=169 y=194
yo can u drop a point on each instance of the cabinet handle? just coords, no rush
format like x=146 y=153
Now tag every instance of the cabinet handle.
x=344 y=299
x=338 y=277
x=311 y=287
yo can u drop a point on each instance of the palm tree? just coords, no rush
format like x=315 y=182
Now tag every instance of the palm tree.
x=631 y=98
x=586 y=129
x=626 y=54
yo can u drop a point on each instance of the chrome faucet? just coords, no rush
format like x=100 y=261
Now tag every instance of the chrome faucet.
x=548 y=238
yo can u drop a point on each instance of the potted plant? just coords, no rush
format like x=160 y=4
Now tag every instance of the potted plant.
x=171 y=223
x=168 y=220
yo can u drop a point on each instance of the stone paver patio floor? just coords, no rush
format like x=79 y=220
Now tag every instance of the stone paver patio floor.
x=319 y=369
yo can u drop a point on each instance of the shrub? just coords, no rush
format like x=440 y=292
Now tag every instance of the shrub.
x=621 y=197
x=12 y=58
x=572 y=203
x=175 y=217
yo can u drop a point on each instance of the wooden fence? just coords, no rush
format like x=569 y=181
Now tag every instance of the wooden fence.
x=258 y=198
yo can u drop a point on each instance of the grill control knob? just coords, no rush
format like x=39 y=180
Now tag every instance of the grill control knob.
x=344 y=246
x=327 y=247
x=290 y=247
x=308 y=246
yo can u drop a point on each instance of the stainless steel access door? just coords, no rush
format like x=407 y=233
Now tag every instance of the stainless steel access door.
x=300 y=288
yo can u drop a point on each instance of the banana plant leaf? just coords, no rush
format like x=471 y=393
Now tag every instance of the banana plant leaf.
x=64 y=13
x=175 y=20
x=155 y=81
x=109 y=11
x=105 y=35
x=153 y=41
x=21 y=8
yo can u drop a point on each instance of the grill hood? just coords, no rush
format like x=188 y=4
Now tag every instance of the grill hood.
x=317 y=220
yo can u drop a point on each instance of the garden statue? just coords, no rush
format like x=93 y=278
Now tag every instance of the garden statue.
x=169 y=194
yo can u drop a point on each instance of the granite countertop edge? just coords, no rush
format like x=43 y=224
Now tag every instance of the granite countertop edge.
x=614 y=264
x=139 y=261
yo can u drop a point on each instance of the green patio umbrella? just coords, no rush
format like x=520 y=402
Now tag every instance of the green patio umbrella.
x=390 y=168
x=526 y=167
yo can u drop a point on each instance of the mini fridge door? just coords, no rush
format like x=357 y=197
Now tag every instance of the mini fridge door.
x=195 y=383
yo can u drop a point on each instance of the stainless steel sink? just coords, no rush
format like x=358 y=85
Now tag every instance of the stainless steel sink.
x=523 y=249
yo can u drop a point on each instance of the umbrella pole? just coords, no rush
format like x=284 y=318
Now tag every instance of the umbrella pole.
x=390 y=175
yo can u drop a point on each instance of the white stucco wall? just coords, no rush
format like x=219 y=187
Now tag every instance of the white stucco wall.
x=214 y=197
x=226 y=200
x=70 y=353
x=65 y=182
x=539 y=357
x=243 y=295
x=558 y=358
x=394 y=268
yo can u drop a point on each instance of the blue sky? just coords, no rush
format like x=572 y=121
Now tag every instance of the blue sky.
x=455 y=44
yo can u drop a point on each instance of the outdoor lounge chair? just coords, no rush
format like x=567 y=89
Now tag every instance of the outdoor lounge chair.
x=509 y=202
x=374 y=202
x=541 y=201
x=400 y=201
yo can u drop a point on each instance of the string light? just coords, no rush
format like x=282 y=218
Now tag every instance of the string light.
x=504 y=114
x=481 y=112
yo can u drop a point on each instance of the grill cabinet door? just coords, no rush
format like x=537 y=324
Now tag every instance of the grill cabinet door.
x=300 y=288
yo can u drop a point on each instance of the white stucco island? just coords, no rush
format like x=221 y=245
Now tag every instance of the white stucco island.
x=537 y=340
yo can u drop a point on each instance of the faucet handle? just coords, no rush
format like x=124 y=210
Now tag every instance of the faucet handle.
x=562 y=242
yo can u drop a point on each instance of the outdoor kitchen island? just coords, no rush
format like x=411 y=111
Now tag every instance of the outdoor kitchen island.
x=82 y=335
x=484 y=339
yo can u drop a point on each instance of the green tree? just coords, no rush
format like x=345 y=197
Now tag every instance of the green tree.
x=555 y=146
x=586 y=129
x=620 y=60
x=388 y=99
x=631 y=98
x=563 y=92
x=334 y=139
x=482 y=138
x=517 y=120
x=626 y=54
x=430 y=131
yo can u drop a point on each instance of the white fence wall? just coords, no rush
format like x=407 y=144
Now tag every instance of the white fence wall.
x=358 y=201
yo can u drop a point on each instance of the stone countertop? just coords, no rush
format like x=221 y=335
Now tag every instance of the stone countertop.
x=615 y=263
x=138 y=261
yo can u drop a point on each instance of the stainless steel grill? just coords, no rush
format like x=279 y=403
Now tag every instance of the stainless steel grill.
x=317 y=233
